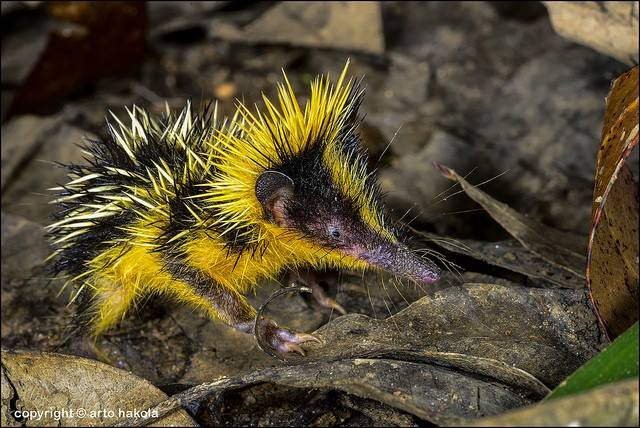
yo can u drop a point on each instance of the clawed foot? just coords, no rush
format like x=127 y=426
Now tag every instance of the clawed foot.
x=283 y=340
x=326 y=301
x=310 y=279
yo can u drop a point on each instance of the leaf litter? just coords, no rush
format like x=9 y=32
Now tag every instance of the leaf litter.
x=612 y=272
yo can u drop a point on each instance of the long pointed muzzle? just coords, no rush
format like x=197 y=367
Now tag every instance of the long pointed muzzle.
x=400 y=260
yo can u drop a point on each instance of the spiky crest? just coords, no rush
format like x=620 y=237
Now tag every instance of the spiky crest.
x=260 y=141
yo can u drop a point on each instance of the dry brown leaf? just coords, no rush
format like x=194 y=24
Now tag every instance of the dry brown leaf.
x=40 y=381
x=491 y=346
x=511 y=255
x=612 y=270
x=608 y=27
x=563 y=249
x=611 y=405
x=348 y=25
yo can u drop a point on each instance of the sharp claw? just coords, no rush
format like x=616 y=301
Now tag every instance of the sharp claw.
x=328 y=302
x=338 y=307
x=305 y=337
x=283 y=340
x=310 y=280
x=292 y=347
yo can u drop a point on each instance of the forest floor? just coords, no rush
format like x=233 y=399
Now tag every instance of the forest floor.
x=489 y=91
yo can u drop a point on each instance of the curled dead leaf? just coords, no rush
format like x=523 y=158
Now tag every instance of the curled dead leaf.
x=75 y=391
x=494 y=347
x=610 y=405
x=510 y=255
x=563 y=249
x=612 y=269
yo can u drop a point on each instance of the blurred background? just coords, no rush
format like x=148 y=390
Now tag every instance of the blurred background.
x=485 y=88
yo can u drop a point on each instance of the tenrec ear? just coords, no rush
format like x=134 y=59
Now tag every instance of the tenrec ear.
x=272 y=186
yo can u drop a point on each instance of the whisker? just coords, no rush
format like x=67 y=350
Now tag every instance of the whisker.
x=393 y=303
x=375 y=314
x=449 y=265
x=384 y=287
x=340 y=287
x=463 y=211
x=404 y=215
x=416 y=284
x=452 y=242
x=398 y=290
x=454 y=184
x=474 y=185
x=389 y=309
x=389 y=144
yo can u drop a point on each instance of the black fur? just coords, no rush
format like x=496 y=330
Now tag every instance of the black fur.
x=317 y=197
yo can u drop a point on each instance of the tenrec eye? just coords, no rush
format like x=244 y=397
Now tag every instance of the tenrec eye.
x=335 y=233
